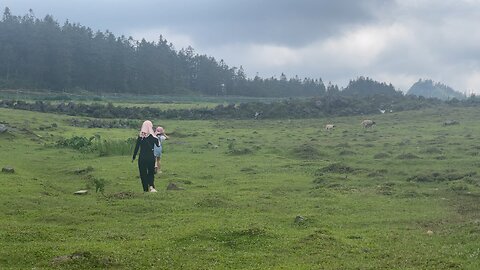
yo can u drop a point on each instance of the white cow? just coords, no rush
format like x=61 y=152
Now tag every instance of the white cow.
x=329 y=127
x=368 y=123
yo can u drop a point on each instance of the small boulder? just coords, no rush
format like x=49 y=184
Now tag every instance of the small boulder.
x=430 y=232
x=84 y=170
x=61 y=259
x=173 y=186
x=8 y=169
x=299 y=220
x=3 y=128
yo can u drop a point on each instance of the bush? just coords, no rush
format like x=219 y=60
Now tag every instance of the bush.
x=76 y=142
x=97 y=183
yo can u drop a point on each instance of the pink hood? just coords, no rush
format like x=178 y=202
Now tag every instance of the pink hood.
x=147 y=129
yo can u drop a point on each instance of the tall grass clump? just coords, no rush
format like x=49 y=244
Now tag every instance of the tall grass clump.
x=96 y=144
x=113 y=147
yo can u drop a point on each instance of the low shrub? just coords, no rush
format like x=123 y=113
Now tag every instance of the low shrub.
x=76 y=142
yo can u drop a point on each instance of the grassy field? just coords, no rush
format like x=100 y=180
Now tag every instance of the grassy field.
x=256 y=195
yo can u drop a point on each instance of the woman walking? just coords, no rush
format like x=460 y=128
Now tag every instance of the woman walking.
x=146 y=160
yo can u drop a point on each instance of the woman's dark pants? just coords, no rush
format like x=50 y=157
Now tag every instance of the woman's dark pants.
x=147 y=170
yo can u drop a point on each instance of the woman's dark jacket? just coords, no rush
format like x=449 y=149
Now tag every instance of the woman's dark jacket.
x=146 y=147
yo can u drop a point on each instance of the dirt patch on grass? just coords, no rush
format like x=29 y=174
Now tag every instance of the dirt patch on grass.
x=83 y=171
x=83 y=260
x=122 y=195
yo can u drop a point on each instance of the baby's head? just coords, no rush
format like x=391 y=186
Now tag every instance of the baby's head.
x=159 y=131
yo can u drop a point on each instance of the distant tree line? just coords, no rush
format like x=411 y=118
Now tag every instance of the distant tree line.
x=42 y=54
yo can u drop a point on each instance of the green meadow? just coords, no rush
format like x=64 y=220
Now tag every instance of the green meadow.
x=255 y=194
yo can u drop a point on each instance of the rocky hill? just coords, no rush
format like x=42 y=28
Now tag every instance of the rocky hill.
x=431 y=89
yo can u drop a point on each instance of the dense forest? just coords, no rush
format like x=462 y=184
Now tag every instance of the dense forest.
x=42 y=54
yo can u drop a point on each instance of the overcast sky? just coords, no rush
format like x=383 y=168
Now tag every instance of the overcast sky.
x=394 y=41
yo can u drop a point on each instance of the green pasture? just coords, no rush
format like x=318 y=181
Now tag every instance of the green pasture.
x=257 y=194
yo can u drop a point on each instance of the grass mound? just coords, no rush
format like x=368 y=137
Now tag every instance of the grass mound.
x=337 y=168
x=347 y=153
x=381 y=156
x=83 y=260
x=306 y=151
x=234 y=150
x=407 y=156
x=432 y=151
x=441 y=177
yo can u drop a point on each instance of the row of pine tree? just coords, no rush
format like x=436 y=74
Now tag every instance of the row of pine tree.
x=42 y=54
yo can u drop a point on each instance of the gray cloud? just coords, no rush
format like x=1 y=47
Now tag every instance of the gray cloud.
x=215 y=21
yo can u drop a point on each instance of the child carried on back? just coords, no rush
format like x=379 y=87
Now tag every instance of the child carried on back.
x=157 y=150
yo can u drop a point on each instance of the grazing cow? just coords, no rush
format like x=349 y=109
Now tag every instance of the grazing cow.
x=329 y=127
x=451 y=122
x=368 y=123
